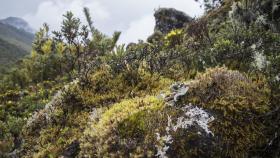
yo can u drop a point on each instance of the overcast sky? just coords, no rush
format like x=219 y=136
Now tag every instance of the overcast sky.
x=134 y=18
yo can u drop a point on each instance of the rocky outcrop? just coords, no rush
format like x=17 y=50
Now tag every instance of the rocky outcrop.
x=169 y=18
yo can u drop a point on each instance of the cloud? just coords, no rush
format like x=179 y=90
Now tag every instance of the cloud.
x=190 y=7
x=133 y=18
x=51 y=11
x=143 y=27
x=138 y=29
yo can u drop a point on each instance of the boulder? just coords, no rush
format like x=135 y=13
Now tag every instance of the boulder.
x=168 y=19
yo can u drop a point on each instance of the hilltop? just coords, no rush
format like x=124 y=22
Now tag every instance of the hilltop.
x=18 y=23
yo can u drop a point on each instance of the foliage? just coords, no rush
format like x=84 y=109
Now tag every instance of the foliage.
x=16 y=106
x=81 y=94
x=128 y=128
x=210 y=5
x=173 y=38
x=106 y=88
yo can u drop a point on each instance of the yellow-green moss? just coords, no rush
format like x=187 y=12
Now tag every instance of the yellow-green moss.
x=105 y=88
x=54 y=138
x=236 y=102
x=124 y=110
x=128 y=120
x=127 y=128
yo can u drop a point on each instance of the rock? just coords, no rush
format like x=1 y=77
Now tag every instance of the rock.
x=169 y=18
x=72 y=150
x=178 y=90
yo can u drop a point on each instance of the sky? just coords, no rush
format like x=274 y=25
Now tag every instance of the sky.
x=134 y=18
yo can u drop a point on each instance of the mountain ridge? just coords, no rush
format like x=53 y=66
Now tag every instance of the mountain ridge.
x=18 y=23
x=11 y=39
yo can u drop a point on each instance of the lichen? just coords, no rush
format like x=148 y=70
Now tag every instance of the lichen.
x=236 y=101
x=193 y=116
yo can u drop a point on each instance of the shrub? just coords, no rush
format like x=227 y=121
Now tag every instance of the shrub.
x=106 y=88
x=173 y=38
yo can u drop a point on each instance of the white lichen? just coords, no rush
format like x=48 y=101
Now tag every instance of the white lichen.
x=161 y=96
x=193 y=116
x=95 y=114
x=261 y=20
x=164 y=141
x=260 y=60
x=232 y=12
x=253 y=47
x=197 y=116
x=277 y=78
x=44 y=116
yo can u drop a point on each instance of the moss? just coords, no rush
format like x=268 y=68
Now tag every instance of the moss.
x=236 y=102
x=129 y=121
x=106 y=88
x=6 y=140
x=124 y=110
x=128 y=128
x=70 y=111
x=134 y=126
x=54 y=138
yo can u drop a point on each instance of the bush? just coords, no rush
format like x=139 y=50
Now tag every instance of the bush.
x=106 y=88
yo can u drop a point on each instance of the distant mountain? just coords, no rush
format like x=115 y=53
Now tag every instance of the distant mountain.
x=18 y=23
x=10 y=53
x=15 y=39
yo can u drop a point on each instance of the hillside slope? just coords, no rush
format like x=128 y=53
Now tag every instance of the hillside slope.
x=14 y=39
x=206 y=87
x=10 y=53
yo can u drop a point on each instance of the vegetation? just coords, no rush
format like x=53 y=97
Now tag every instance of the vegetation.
x=14 y=44
x=207 y=89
